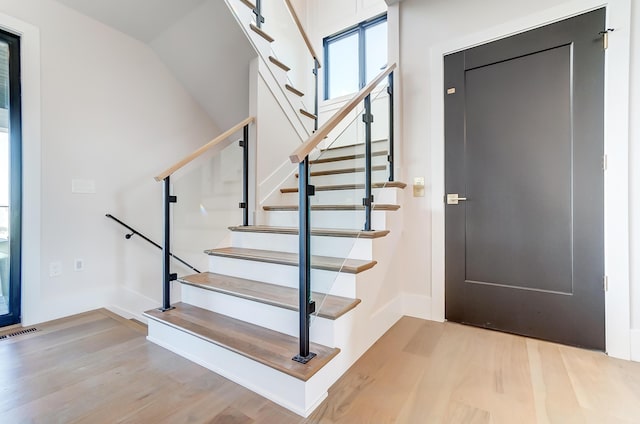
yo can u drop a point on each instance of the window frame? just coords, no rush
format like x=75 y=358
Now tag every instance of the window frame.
x=359 y=29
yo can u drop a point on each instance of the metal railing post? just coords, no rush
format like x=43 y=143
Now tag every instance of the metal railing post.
x=244 y=143
x=368 y=199
x=391 y=127
x=316 y=66
x=258 y=12
x=304 y=262
x=167 y=276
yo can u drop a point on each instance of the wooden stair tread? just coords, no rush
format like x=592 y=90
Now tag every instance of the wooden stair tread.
x=279 y=64
x=349 y=266
x=376 y=207
x=328 y=306
x=268 y=347
x=261 y=33
x=308 y=114
x=347 y=157
x=294 y=91
x=353 y=146
x=343 y=171
x=387 y=184
x=327 y=232
x=249 y=4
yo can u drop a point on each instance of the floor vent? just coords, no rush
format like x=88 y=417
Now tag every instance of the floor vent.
x=19 y=333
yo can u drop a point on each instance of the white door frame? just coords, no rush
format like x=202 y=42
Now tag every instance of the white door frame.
x=32 y=303
x=616 y=147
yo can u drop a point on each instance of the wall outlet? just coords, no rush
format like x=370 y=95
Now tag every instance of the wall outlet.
x=78 y=265
x=55 y=269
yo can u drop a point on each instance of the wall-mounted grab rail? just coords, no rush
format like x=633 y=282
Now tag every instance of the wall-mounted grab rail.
x=134 y=232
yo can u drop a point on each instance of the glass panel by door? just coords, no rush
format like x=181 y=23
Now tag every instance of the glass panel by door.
x=10 y=179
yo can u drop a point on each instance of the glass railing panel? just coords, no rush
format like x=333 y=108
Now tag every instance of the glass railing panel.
x=209 y=192
x=338 y=173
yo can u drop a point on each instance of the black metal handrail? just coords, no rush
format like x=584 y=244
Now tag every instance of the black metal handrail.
x=306 y=190
x=135 y=232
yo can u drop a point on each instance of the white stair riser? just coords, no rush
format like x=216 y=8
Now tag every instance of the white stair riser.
x=352 y=220
x=350 y=163
x=376 y=146
x=296 y=395
x=331 y=282
x=340 y=247
x=350 y=178
x=279 y=74
x=387 y=195
x=278 y=319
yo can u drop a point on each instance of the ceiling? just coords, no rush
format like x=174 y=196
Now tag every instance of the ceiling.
x=141 y=19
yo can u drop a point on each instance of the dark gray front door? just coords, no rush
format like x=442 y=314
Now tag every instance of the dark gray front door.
x=524 y=146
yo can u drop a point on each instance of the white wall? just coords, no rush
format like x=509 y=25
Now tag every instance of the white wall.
x=111 y=112
x=209 y=54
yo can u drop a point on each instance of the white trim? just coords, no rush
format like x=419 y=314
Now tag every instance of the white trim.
x=416 y=306
x=635 y=345
x=616 y=146
x=31 y=164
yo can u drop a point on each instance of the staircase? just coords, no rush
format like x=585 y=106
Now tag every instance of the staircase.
x=242 y=319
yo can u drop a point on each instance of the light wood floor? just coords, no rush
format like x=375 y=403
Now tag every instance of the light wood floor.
x=96 y=368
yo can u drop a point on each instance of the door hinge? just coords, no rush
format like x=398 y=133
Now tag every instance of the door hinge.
x=605 y=162
x=605 y=37
x=606 y=283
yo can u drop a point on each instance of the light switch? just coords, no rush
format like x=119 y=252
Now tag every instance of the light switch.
x=83 y=186
x=418 y=187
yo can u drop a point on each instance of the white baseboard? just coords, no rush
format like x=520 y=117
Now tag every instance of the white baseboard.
x=126 y=314
x=130 y=304
x=635 y=345
x=415 y=305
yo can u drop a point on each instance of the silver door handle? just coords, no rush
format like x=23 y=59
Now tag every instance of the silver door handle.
x=453 y=199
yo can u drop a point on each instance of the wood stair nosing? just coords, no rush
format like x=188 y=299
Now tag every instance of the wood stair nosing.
x=261 y=33
x=249 y=4
x=343 y=171
x=354 y=146
x=348 y=266
x=295 y=91
x=260 y=344
x=346 y=157
x=329 y=306
x=308 y=114
x=279 y=64
x=387 y=184
x=320 y=232
x=291 y=208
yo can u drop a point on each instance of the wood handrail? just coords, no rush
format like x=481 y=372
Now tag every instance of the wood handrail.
x=302 y=32
x=307 y=147
x=204 y=148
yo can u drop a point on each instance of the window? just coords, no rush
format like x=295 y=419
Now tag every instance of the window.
x=354 y=57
